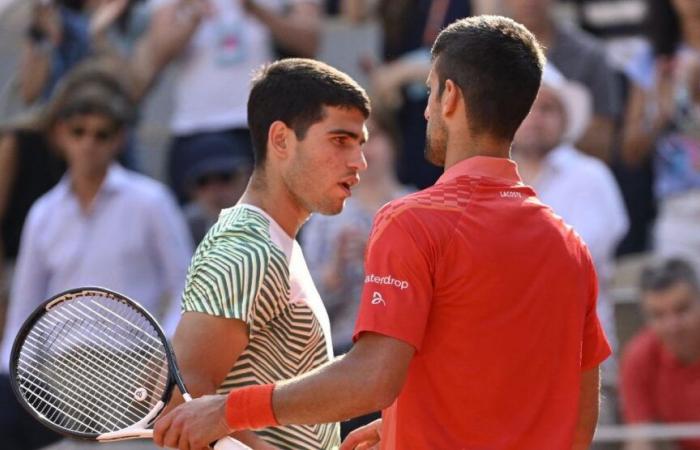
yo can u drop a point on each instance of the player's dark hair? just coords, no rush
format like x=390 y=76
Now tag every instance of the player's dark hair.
x=295 y=90
x=662 y=274
x=497 y=64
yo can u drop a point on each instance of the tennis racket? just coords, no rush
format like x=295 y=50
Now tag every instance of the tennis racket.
x=93 y=364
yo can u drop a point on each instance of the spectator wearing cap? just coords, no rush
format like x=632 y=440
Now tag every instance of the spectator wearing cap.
x=660 y=376
x=215 y=180
x=579 y=188
x=101 y=225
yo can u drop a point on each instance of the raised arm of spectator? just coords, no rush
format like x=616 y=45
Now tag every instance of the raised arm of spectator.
x=43 y=33
x=641 y=131
x=101 y=21
x=298 y=32
x=170 y=29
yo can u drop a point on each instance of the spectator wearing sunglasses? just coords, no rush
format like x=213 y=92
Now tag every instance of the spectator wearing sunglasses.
x=101 y=225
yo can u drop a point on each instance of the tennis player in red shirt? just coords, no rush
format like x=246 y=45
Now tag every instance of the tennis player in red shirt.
x=477 y=326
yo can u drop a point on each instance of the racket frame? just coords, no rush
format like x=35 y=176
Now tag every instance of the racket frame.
x=137 y=430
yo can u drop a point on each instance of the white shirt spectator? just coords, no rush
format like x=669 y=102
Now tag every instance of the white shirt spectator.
x=212 y=77
x=581 y=189
x=134 y=240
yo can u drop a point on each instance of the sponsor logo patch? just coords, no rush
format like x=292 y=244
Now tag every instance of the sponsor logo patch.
x=387 y=280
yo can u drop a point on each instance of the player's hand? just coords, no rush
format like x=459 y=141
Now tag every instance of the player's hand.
x=364 y=438
x=193 y=425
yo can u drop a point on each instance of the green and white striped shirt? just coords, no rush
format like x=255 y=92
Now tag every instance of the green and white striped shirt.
x=248 y=268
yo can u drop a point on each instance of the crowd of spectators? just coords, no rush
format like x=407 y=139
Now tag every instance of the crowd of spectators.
x=612 y=144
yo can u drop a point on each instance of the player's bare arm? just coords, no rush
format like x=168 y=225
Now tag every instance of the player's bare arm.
x=206 y=348
x=588 y=409
x=367 y=379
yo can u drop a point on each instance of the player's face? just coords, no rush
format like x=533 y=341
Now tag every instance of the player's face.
x=89 y=142
x=674 y=314
x=326 y=163
x=436 y=131
x=542 y=129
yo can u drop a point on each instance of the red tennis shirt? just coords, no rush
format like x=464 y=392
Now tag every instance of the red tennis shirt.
x=498 y=297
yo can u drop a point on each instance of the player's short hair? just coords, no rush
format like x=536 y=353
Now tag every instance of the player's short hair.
x=497 y=64
x=664 y=273
x=295 y=90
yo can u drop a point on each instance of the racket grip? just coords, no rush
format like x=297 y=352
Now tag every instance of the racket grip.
x=228 y=443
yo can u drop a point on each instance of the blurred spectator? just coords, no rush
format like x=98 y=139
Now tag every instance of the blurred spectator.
x=334 y=245
x=663 y=124
x=215 y=180
x=212 y=75
x=62 y=33
x=578 y=187
x=580 y=57
x=660 y=377
x=618 y=23
x=101 y=225
x=410 y=27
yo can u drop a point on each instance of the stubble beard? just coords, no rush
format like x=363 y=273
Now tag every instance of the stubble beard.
x=436 y=145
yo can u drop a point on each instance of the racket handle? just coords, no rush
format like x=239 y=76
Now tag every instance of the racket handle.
x=228 y=443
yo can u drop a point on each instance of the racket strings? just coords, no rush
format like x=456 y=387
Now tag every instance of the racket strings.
x=113 y=343
x=72 y=356
x=60 y=371
x=93 y=365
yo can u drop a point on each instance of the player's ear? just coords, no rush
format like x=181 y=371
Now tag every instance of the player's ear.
x=278 y=143
x=451 y=96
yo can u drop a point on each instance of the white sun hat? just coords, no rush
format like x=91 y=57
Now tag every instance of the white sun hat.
x=575 y=99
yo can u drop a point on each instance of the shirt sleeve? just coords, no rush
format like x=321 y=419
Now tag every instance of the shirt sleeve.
x=635 y=384
x=226 y=275
x=595 y=348
x=397 y=292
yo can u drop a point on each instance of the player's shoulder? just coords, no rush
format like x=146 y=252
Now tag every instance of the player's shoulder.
x=242 y=230
x=447 y=197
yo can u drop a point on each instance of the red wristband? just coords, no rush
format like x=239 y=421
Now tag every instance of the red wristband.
x=250 y=408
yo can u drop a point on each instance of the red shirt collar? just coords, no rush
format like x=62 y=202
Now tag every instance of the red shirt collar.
x=483 y=166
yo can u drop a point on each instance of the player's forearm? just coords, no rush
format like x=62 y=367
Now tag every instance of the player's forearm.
x=588 y=409
x=332 y=393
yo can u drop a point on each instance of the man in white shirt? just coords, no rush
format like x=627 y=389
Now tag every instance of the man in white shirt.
x=101 y=225
x=579 y=188
x=212 y=74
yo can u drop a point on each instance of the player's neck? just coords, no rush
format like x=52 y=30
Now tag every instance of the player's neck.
x=529 y=167
x=463 y=146
x=276 y=202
